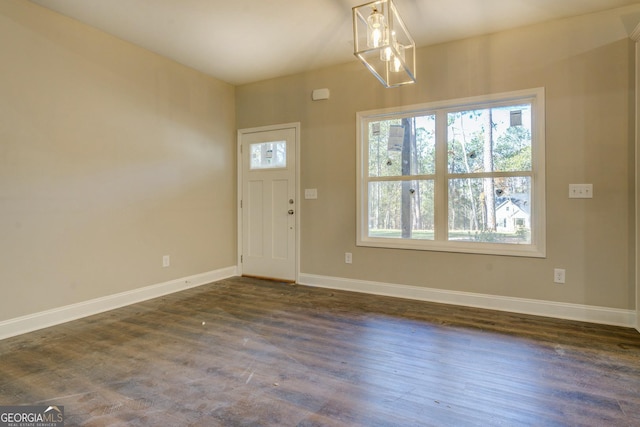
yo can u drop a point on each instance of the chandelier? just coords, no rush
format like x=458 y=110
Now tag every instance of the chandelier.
x=383 y=44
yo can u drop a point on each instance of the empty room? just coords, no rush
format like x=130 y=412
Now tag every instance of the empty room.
x=321 y=213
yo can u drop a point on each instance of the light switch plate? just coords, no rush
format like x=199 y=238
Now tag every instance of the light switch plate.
x=311 y=193
x=580 y=191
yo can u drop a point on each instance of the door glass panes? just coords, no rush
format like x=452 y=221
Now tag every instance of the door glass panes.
x=402 y=146
x=490 y=210
x=401 y=209
x=494 y=139
x=268 y=155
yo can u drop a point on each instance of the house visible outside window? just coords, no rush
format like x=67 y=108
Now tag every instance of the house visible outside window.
x=463 y=175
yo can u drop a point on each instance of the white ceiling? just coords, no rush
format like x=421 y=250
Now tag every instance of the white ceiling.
x=242 y=41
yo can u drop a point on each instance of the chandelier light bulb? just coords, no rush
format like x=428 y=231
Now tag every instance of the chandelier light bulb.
x=375 y=29
x=386 y=54
x=397 y=60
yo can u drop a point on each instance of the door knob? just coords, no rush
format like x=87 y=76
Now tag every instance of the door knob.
x=290 y=211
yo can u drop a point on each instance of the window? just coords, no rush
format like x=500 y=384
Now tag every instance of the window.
x=463 y=176
x=268 y=155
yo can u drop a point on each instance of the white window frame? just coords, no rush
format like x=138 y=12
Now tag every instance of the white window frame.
x=537 y=247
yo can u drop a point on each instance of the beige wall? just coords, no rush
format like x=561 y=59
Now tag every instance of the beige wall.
x=110 y=158
x=586 y=66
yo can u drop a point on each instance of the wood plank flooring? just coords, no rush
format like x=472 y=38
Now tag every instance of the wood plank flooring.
x=248 y=352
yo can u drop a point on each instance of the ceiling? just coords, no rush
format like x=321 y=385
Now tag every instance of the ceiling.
x=242 y=41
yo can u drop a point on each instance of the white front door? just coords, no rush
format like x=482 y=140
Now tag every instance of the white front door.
x=268 y=202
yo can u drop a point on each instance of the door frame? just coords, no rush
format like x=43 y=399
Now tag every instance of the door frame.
x=635 y=36
x=240 y=182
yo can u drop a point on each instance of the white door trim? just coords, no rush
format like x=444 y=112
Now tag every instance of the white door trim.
x=635 y=36
x=298 y=216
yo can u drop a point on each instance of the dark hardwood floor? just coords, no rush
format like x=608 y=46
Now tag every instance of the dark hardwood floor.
x=247 y=352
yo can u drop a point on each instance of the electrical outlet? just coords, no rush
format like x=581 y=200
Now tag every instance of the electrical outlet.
x=559 y=275
x=166 y=261
x=348 y=258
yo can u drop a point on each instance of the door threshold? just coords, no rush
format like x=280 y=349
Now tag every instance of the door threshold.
x=271 y=279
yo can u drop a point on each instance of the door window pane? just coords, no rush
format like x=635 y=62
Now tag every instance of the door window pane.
x=267 y=155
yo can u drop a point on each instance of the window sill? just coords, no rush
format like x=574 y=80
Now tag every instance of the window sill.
x=524 y=250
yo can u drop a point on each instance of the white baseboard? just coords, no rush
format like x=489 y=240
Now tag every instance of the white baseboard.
x=584 y=313
x=56 y=316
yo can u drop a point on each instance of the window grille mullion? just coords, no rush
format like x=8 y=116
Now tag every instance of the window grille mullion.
x=441 y=196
